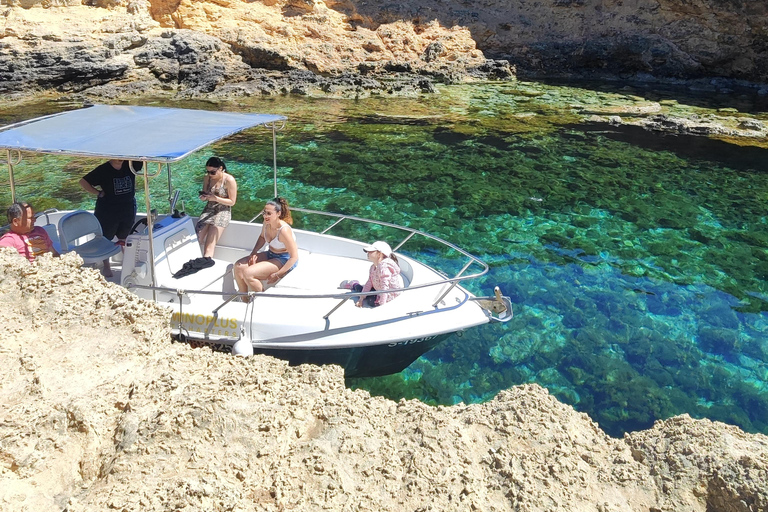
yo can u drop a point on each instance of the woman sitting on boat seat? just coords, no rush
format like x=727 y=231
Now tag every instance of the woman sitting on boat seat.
x=384 y=274
x=281 y=256
x=220 y=192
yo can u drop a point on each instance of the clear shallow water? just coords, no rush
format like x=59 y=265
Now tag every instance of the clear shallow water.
x=637 y=262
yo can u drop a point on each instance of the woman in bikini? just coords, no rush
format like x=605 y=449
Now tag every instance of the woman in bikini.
x=220 y=192
x=281 y=257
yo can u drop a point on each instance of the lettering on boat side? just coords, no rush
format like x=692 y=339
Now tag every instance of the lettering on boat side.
x=412 y=342
x=202 y=323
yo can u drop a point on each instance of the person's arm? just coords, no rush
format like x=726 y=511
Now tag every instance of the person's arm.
x=15 y=241
x=226 y=201
x=90 y=188
x=49 y=244
x=206 y=194
x=12 y=241
x=259 y=244
x=286 y=234
x=231 y=192
x=369 y=283
x=387 y=272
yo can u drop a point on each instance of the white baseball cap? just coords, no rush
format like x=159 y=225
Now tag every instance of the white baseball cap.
x=382 y=247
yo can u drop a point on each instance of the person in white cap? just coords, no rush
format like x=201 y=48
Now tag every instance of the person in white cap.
x=384 y=274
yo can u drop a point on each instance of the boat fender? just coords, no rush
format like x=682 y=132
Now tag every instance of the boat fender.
x=242 y=347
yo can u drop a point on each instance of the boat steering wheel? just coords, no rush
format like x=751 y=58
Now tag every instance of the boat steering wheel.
x=135 y=228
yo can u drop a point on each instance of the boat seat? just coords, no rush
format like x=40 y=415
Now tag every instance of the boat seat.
x=320 y=273
x=293 y=276
x=406 y=271
x=80 y=231
x=53 y=233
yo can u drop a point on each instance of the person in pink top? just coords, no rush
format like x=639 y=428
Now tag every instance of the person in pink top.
x=384 y=274
x=29 y=240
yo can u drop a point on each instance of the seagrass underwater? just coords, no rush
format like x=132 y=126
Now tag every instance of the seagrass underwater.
x=636 y=261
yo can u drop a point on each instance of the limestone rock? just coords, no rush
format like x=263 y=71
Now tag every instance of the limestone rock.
x=101 y=410
x=74 y=46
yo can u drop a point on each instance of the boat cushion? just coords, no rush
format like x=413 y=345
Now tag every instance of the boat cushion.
x=181 y=248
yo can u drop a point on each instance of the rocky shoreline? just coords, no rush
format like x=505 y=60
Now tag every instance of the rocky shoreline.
x=101 y=410
x=111 y=49
x=118 y=50
x=129 y=48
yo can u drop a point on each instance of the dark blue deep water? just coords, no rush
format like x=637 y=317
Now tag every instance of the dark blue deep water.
x=637 y=262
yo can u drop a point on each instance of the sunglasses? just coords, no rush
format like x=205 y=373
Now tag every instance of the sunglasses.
x=211 y=173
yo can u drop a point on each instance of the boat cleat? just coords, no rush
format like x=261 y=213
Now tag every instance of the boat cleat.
x=498 y=307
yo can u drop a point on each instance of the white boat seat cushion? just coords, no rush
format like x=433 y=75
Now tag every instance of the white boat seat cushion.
x=320 y=273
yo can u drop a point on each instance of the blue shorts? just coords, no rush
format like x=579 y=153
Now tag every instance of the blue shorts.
x=282 y=256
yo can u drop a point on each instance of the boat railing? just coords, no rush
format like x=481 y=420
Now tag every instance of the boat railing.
x=230 y=296
x=448 y=282
x=342 y=296
x=338 y=218
x=410 y=233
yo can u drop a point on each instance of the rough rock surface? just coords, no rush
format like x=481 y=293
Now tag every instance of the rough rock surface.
x=99 y=410
x=112 y=48
x=226 y=48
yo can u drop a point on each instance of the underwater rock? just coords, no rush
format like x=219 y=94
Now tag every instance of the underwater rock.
x=574 y=319
x=658 y=306
x=718 y=341
x=720 y=315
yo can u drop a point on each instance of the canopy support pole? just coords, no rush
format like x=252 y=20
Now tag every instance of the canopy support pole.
x=150 y=224
x=274 y=155
x=170 y=187
x=11 y=178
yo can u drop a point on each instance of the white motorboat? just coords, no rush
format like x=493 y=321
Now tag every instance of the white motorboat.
x=303 y=318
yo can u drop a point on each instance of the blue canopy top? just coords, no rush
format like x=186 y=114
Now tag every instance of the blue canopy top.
x=151 y=134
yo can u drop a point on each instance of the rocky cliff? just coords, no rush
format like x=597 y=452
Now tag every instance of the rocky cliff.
x=357 y=48
x=100 y=410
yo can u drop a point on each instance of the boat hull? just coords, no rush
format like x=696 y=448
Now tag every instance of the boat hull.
x=305 y=318
x=365 y=361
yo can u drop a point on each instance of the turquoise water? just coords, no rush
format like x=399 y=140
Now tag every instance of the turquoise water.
x=636 y=262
